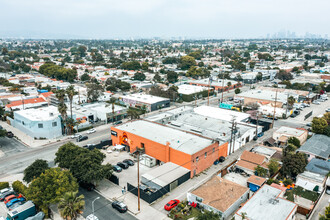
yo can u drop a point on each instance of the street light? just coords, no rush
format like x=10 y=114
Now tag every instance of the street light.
x=93 y=204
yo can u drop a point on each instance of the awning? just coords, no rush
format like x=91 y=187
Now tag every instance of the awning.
x=119 y=147
x=271 y=141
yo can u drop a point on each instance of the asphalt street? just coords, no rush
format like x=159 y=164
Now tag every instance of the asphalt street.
x=10 y=146
x=16 y=161
x=102 y=207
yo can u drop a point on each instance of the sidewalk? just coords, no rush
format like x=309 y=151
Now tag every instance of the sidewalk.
x=112 y=192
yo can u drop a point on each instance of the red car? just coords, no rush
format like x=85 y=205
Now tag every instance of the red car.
x=8 y=198
x=171 y=204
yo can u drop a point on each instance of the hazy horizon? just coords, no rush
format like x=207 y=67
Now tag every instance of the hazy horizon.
x=145 y=19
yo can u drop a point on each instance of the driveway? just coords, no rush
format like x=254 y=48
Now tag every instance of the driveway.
x=102 y=207
x=320 y=208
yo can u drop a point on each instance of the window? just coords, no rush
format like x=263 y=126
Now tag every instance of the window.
x=205 y=154
x=40 y=125
x=142 y=145
x=199 y=199
x=197 y=159
x=213 y=149
x=54 y=124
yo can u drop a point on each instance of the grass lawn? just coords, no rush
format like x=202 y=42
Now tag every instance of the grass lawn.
x=299 y=191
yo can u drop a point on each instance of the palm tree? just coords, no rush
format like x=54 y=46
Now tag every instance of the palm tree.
x=112 y=101
x=71 y=92
x=60 y=94
x=71 y=205
x=228 y=85
x=62 y=108
x=133 y=113
x=291 y=100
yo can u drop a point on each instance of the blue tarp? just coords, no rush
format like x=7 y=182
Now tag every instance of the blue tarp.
x=42 y=90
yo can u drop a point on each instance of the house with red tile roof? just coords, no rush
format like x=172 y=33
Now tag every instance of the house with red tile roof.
x=26 y=104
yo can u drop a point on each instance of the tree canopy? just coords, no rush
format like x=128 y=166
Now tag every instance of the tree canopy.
x=186 y=62
x=54 y=71
x=139 y=76
x=131 y=65
x=85 y=165
x=35 y=170
x=50 y=187
x=319 y=125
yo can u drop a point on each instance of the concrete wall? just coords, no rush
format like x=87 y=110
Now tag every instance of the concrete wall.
x=32 y=129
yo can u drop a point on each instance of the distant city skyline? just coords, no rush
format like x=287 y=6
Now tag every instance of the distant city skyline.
x=192 y=19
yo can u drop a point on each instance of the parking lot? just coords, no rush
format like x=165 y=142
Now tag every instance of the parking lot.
x=317 y=110
x=126 y=175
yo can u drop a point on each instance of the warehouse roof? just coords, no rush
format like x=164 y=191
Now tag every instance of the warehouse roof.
x=190 y=89
x=177 y=139
x=140 y=97
x=165 y=174
x=219 y=113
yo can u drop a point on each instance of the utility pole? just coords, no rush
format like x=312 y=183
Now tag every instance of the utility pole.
x=257 y=116
x=138 y=176
x=274 y=108
x=232 y=128
x=208 y=91
x=223 y=81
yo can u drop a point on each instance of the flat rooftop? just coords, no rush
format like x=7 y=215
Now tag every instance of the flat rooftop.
x=218 y=82
x=178 y=140
x=190 y=89
x=265 y=204
x=140 y=97
x=206 y=126
x=220 y=193
x=265 y=95
x=165 y=174
x=40 y=114
x=290 y=131
x=222 y=114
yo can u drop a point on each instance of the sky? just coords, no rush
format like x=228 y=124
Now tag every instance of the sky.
x=125 y=19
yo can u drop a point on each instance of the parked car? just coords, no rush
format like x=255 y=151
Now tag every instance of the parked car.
x=117 y=122
x=316 y=102
x=328 y=109
x=75 y=136
x=89 y=146
x=8 y=193
x=171 y=204
x=129 y=162
x=5 y=190
x=82 y=138
x=13 y=201
x=321 y=100
x=15 y=205
x=309 y=124
x=10 y=134
x=120 y=206
x=293 y=115
x=123 y=165
x=296 y=112
x=306 y=104
x=90 y=131
x=261 y=134
x=88 y=186
x=8 y=198
x=117 y=169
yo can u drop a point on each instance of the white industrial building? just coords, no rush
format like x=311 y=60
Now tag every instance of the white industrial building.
x=41 y=123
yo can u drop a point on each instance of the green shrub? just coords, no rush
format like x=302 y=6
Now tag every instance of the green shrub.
x=287 y=182
x=4 y=185
x=19 y=187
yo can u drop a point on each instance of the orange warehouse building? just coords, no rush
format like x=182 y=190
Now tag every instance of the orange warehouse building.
x=167 y=144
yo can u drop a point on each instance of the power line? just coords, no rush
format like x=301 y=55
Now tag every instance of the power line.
x=216 y=150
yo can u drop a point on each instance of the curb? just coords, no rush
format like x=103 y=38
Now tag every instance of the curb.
x=112 y=200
